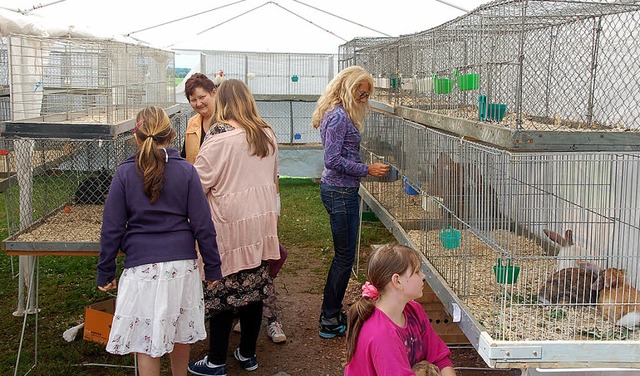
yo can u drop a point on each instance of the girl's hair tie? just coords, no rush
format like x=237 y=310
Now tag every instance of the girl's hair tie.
x=138 y=124
x=369 y=290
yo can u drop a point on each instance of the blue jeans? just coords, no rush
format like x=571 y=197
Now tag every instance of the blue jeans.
x=343 y=206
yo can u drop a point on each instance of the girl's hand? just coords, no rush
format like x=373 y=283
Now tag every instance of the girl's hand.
x=109 y=286
x=212 y=284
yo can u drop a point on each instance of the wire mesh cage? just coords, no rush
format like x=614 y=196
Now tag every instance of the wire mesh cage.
x=290 y=120
x=271 y=73
x=55 y=189
x=84 y=80
x=528 y=244
x=5 y=107
x=526 y=65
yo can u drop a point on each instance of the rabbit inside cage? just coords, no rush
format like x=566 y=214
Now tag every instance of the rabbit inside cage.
x=93 y=189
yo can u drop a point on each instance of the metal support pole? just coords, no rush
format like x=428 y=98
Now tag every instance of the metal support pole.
x=24 y=150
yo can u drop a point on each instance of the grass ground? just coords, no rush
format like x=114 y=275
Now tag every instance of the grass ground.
x=67 y=285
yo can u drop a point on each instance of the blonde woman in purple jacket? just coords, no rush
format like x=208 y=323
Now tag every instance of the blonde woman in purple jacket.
x=339 y=114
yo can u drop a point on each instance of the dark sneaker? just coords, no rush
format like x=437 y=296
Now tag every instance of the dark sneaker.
x=249 y=364
x=204 y=368
x=333 y=327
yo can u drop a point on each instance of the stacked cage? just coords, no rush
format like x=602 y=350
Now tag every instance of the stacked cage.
x=525 y=65
x=515 y=172
x=269 y=73
x=55 y=188
x=286 y=86
x=86 y=80
x=5 y=107
x=526 y=244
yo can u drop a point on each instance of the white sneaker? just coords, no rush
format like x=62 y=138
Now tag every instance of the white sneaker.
x=275 y=332
x=236 y=328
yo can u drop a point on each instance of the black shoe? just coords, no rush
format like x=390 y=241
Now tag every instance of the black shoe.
x=333 y=327
x=249 y=364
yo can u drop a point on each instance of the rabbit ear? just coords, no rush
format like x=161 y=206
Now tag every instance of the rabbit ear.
x=588 y=266
x=598 y=284
x=554 y=236
x=568 y=237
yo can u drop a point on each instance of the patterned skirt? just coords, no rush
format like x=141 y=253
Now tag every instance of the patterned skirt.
x=237 y=290
x=157 y=305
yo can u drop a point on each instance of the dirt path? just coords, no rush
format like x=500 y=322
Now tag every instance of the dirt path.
x=299 y=286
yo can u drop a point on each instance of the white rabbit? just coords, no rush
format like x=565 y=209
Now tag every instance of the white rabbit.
x=569 y=253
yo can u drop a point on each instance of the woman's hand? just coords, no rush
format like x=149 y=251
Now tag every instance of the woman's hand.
x=212 y=284
x=378 y=169
x=109 y=286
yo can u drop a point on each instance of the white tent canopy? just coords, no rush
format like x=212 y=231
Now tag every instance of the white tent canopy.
x=317 y=26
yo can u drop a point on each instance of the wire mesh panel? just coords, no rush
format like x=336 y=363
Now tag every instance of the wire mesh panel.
x=86 y=81
x=274 y=73
x=354 y=51
x=534 y=246
x=5 y=106
x=529 y=65
x=55 y=188
x=290 y=120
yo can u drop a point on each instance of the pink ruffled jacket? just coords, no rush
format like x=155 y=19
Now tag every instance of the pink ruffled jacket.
x=241 y=192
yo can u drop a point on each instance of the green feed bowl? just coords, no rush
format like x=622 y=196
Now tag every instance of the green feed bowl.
x=468 y=82
x=442 y=85
x=506 y=274
x=450 y=239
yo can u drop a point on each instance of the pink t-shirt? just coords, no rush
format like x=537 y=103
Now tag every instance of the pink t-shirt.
x=384 y=348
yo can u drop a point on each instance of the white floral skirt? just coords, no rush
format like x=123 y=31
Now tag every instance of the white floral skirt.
x=157 y=305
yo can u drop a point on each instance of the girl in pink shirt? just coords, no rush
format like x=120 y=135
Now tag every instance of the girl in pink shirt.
x=388 y=332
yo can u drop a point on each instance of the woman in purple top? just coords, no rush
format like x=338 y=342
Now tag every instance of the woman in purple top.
x=154 y=213
x=389 y=333
x=340 y=114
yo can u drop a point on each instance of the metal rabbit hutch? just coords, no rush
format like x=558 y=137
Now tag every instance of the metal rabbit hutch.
x=72 y=108
x=516 y=174
x=92 y=86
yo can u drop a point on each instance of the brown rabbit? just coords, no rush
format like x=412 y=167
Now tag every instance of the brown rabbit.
x=571 y=285
x=425 y=368
x=618 y=300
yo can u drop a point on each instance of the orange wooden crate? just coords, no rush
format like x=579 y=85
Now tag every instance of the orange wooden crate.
x=440 y=320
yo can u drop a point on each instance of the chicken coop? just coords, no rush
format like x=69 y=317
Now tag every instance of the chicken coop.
x=82 y=88
x=515 y=171
x=533 y=73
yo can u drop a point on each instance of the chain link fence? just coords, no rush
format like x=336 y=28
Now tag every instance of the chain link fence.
x=55 y=188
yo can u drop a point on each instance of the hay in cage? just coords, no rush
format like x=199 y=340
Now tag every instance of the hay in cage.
x=513 y=312
x=72 y=223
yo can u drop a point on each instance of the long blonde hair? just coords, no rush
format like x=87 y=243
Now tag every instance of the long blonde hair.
x=234 y=101
x=383 y=263
x=343 y=90
x=153 y=128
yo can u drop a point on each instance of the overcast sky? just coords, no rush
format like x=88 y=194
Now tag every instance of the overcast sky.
x=250 y=25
